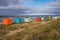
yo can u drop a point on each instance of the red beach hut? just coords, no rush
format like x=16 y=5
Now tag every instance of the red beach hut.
x=10 y=20
x=38 y=19
x=7 y=21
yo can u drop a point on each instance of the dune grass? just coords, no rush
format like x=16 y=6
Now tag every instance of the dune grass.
x=48 y=31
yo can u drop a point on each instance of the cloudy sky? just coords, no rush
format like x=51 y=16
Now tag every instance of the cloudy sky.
x=29 y=7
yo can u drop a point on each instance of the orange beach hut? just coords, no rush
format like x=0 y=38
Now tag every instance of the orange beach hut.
x=7 y=21
x=38 y=19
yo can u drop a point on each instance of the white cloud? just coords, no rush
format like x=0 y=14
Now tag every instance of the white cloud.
x=50 y=7
x=19 y=2
x=37 y=14
x=14 y=2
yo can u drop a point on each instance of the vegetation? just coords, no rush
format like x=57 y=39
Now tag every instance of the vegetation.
x=35 y=31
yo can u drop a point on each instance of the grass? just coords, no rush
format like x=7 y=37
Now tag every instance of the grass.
x=49 y=31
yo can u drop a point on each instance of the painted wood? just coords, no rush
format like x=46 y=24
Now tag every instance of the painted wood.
x=18 y=20
x=38 y=19
x=49 y=18
x=26 y=19
x=7 y=21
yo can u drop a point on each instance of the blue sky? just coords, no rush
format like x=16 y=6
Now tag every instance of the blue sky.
x=29 y=7
x=33 y=2
x=37 y=3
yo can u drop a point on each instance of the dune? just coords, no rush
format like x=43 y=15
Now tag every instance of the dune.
x=49 y=30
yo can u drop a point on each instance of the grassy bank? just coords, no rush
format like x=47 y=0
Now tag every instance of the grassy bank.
x=33 y=31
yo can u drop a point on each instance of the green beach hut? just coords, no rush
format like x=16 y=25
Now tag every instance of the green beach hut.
x=49 y=18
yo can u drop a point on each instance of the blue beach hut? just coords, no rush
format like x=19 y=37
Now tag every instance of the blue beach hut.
x=18 y=20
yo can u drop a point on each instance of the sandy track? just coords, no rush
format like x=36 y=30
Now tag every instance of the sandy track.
x=13 y=32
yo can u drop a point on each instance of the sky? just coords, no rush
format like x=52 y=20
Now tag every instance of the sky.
x=29 y=7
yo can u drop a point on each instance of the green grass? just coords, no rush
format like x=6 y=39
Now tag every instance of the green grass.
x=47 y=30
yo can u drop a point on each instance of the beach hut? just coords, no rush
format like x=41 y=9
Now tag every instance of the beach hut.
x=55 y=17
x=18 y=20
x=10 y=20
x=27 y=19
x=7 y=21
x=42 y=18
x=38 y=19
x=49 y=18
x=58 y=16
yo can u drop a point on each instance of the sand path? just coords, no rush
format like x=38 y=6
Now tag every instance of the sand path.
x=13 y=32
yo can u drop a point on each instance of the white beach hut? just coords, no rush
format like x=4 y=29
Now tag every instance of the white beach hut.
x=54 y=17
x=27 y=19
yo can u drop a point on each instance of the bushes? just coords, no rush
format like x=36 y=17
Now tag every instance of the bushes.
x=2 y=27
x=2 y=33
x=2 y=30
